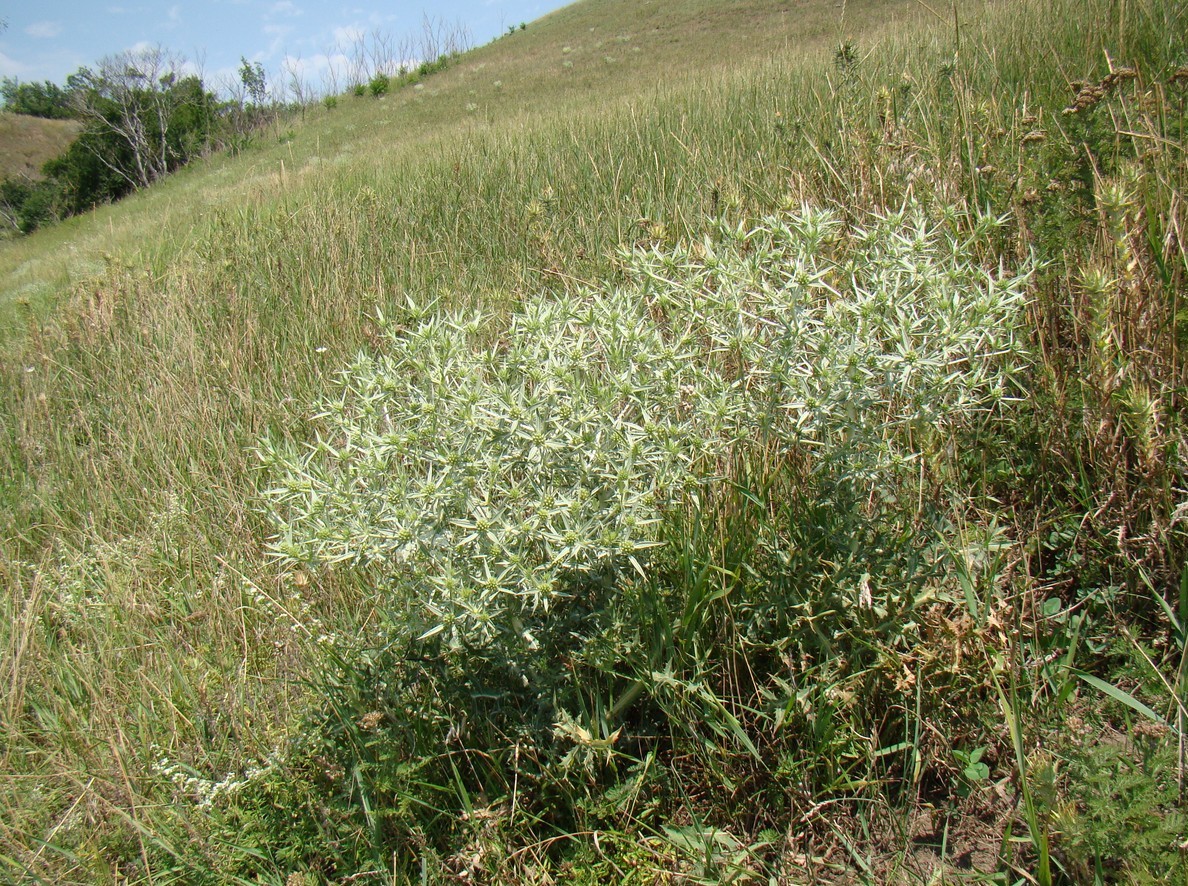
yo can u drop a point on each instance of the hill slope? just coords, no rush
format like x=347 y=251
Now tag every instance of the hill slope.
x=589 y=55
x=826 y=519
x=26 y=143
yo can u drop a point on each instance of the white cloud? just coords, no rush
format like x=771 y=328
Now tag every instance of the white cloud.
x=225 y=81
x=277 y=35
x=301 y=67
x=187 y=68
x=348 y=36
x=173 y=18
x=44 y=30
x=10 y=67
x=322 y=66
x=284 y=7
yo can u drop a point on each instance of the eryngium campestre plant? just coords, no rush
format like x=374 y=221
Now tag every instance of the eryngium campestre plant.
x=482 y=470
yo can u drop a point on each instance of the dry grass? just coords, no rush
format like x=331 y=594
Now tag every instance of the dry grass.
x=26 y=143
x=151 y=344
x=516 y=84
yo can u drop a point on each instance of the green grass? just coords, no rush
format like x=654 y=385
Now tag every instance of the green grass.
x=515 y=82
x=150 y=347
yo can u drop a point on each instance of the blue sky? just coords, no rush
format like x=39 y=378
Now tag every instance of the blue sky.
x=49 y=39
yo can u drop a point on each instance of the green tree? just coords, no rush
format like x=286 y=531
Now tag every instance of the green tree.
x=144 y=116
x=26 y=205
x=36 y=99
x=254 y=81
x=143 y=119
x=91 y=171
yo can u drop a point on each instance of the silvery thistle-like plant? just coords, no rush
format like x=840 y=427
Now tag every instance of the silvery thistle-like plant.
x=487 y=470
x=490 y=474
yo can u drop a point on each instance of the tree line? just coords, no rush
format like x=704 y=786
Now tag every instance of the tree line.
x=143 y=116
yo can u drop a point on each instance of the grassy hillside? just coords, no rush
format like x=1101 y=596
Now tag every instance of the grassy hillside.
x=26 y=143
x=679 y=442
x=555 y=68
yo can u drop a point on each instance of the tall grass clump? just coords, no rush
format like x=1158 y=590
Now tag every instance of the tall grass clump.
x=510 y=489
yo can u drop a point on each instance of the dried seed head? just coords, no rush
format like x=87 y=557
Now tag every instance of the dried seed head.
x=1146 y=728
x=1121 y=75
x=1089 y=95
